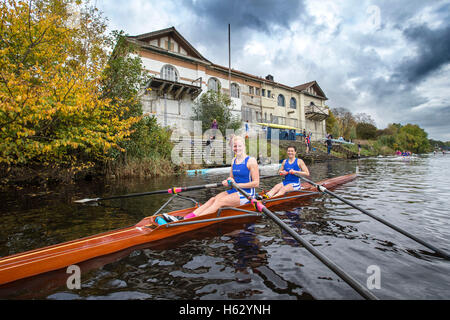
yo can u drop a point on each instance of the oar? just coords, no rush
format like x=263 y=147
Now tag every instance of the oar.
x=330 y=264
x=409 y=235
x=171 y=191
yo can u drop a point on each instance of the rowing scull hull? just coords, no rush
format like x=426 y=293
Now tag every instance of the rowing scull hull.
x=61 y=255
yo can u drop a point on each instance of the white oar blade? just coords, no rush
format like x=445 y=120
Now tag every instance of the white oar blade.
x=86 y=200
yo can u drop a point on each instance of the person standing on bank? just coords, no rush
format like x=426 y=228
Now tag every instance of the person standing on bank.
x=329 y=144
x=308 y=143
x=246 y=129
x=215 y=127
x=290 y=166
x=244 y=172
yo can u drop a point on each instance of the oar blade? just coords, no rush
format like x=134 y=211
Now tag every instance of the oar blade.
x=86 y=200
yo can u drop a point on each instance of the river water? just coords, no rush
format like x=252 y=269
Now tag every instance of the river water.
x=252 y=260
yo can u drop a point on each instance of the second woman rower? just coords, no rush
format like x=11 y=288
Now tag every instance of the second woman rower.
x=244 y=172
x=289 y=168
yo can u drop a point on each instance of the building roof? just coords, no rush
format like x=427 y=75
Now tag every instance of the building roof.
x=313 y=84
x=146 y=37
x=143 y=40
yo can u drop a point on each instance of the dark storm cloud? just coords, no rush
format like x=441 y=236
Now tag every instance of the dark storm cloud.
x=210 y=28
x=433 y=52
x=258 y=15
x=396 y=91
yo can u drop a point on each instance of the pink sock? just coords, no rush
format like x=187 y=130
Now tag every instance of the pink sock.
x=190 y=215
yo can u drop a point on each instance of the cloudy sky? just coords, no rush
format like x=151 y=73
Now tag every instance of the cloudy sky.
x=389 y=59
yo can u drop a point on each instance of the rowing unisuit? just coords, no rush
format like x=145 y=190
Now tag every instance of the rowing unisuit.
x=291 y=178
x=241 y=174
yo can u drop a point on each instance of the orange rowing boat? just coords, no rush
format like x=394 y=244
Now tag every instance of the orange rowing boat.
x=61 y=255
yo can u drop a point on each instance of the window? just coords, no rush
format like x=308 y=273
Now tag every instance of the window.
x=263 y=92
x=269 y=94
x=250 y=89
x=293 y=103
x=170 y=45
x=281 y=102
x=257 y=91
x=213 y=84
x=235 y=90
x=169 y=72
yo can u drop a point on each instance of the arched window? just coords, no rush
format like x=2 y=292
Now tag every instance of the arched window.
x=281 y=102
x=293 y=103
x=169 y=72
x=213 y=84
x=235 y=90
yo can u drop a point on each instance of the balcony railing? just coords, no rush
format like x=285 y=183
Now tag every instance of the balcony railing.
x=316 y=113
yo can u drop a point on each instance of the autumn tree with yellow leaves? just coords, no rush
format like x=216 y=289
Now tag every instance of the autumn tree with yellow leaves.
x=52 y=110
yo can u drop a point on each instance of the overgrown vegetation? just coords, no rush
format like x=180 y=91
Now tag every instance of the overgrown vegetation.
x=69 y=93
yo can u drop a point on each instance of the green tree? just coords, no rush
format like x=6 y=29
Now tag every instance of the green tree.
x=413 y=138
x=215 y=105
x=366 y=131
x=124 y=77
x=352 y=134
x=124 y=81
x=336 y=130
x=330 y=122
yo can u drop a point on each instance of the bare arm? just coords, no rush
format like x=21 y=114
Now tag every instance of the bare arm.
x=225 y=182
x=282 y=167
x=305 y=170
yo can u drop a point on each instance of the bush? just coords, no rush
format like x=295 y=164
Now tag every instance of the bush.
x=366 y=131
x=149 y=140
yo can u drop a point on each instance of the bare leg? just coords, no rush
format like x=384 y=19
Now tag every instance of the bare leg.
x=229 y=200
x=209 y=203
x=284 y=189
x=275 y=189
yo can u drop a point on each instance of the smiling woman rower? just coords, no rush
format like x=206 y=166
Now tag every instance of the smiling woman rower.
x=244 y=172
x=289 y=167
